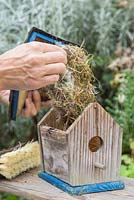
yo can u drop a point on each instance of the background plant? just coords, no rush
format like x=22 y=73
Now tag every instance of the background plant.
x=122 y=108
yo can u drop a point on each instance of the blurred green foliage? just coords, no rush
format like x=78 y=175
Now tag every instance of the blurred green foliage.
x=121 y=107
x=14 y=131
x=127 y=168
x=101 y=25
x=10 y=197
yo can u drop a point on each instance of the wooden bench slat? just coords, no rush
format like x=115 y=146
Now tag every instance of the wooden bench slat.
x=29 y=185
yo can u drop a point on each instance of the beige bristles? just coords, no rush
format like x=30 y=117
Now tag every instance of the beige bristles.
x=20 y=160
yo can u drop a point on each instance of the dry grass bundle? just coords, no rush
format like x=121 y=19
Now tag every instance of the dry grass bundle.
x=74 y=91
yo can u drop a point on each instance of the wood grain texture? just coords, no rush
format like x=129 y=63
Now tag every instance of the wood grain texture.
x=54 y=146
x=76 y=155
x=55 y=153
x=30 y=186
x=94 y=122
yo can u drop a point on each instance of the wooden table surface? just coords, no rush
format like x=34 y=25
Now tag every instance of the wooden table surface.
x=30 y=186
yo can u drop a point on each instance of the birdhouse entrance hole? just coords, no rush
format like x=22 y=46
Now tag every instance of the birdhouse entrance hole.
x=95 y=143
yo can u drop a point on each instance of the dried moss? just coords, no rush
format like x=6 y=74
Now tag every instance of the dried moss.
x=75 y=90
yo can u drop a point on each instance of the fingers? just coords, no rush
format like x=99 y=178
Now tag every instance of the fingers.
x=56 y=68
x=27 y=110
x=54 y=57
x=48 y=80
x=26 y=65
x=46 y=103
x=45 y=58
x=33 y=104
x=30 y=109
x=45 y=47
x=4 y=97
x=36 y=100
x=40 y=82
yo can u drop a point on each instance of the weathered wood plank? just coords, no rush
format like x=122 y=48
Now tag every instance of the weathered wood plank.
x=30 y=186
x=91 y=142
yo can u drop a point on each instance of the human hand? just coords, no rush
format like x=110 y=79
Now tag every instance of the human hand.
x=31 y=66
x=33 y=102
x=4 y=97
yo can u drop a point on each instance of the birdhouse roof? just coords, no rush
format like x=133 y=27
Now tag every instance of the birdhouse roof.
x=93 y=110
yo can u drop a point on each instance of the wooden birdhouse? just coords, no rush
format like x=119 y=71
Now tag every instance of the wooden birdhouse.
x=87 y=153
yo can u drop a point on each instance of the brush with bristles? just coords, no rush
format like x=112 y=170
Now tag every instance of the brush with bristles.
x=17 y=161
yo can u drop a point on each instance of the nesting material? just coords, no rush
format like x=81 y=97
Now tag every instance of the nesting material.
x=17 y=161
x=75 y=89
